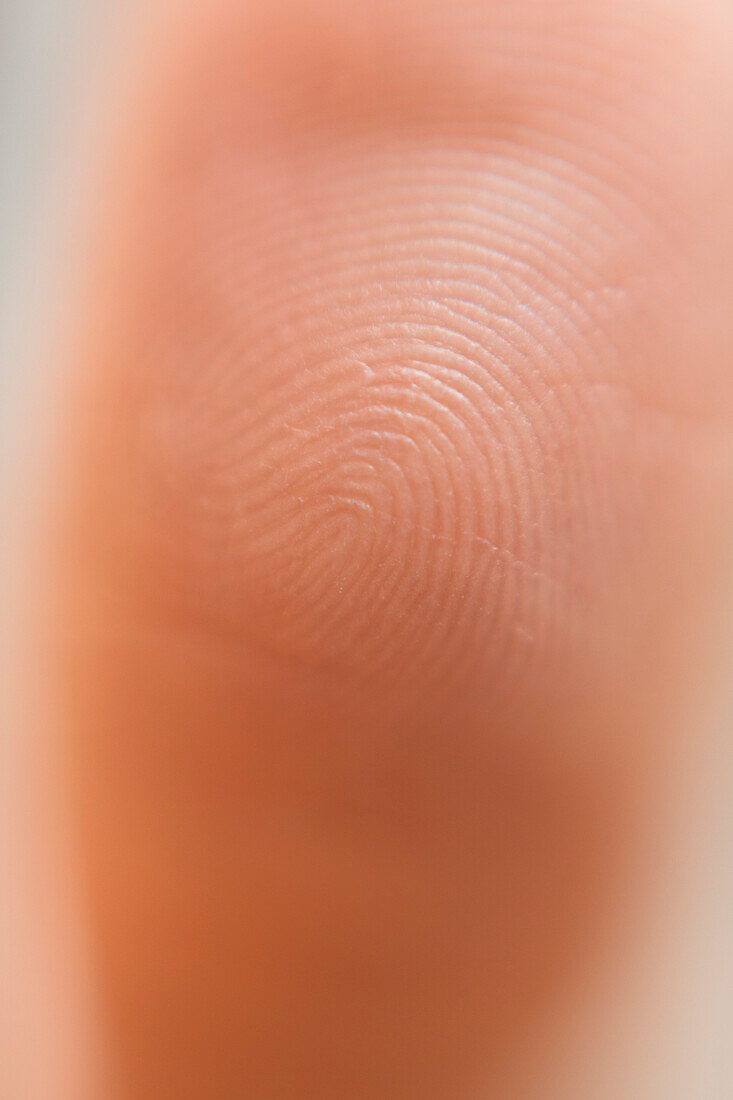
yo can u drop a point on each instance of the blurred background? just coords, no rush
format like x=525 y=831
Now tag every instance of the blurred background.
x=48 y=49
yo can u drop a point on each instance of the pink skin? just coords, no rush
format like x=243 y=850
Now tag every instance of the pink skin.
x=392 y=505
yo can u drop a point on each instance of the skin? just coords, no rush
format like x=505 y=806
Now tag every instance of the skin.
x=390 y=506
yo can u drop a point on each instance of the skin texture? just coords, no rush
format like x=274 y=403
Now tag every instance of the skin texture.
x=389 y=507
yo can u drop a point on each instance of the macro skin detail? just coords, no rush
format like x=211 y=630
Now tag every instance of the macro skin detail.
x=389 y=372
x=403 y=410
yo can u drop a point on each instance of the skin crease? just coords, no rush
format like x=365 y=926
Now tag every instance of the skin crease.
x=390 y=501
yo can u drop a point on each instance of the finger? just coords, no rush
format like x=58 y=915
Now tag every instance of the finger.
x=398 y=468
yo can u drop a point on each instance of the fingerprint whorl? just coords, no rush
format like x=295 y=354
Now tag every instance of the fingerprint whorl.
x=364 y=413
